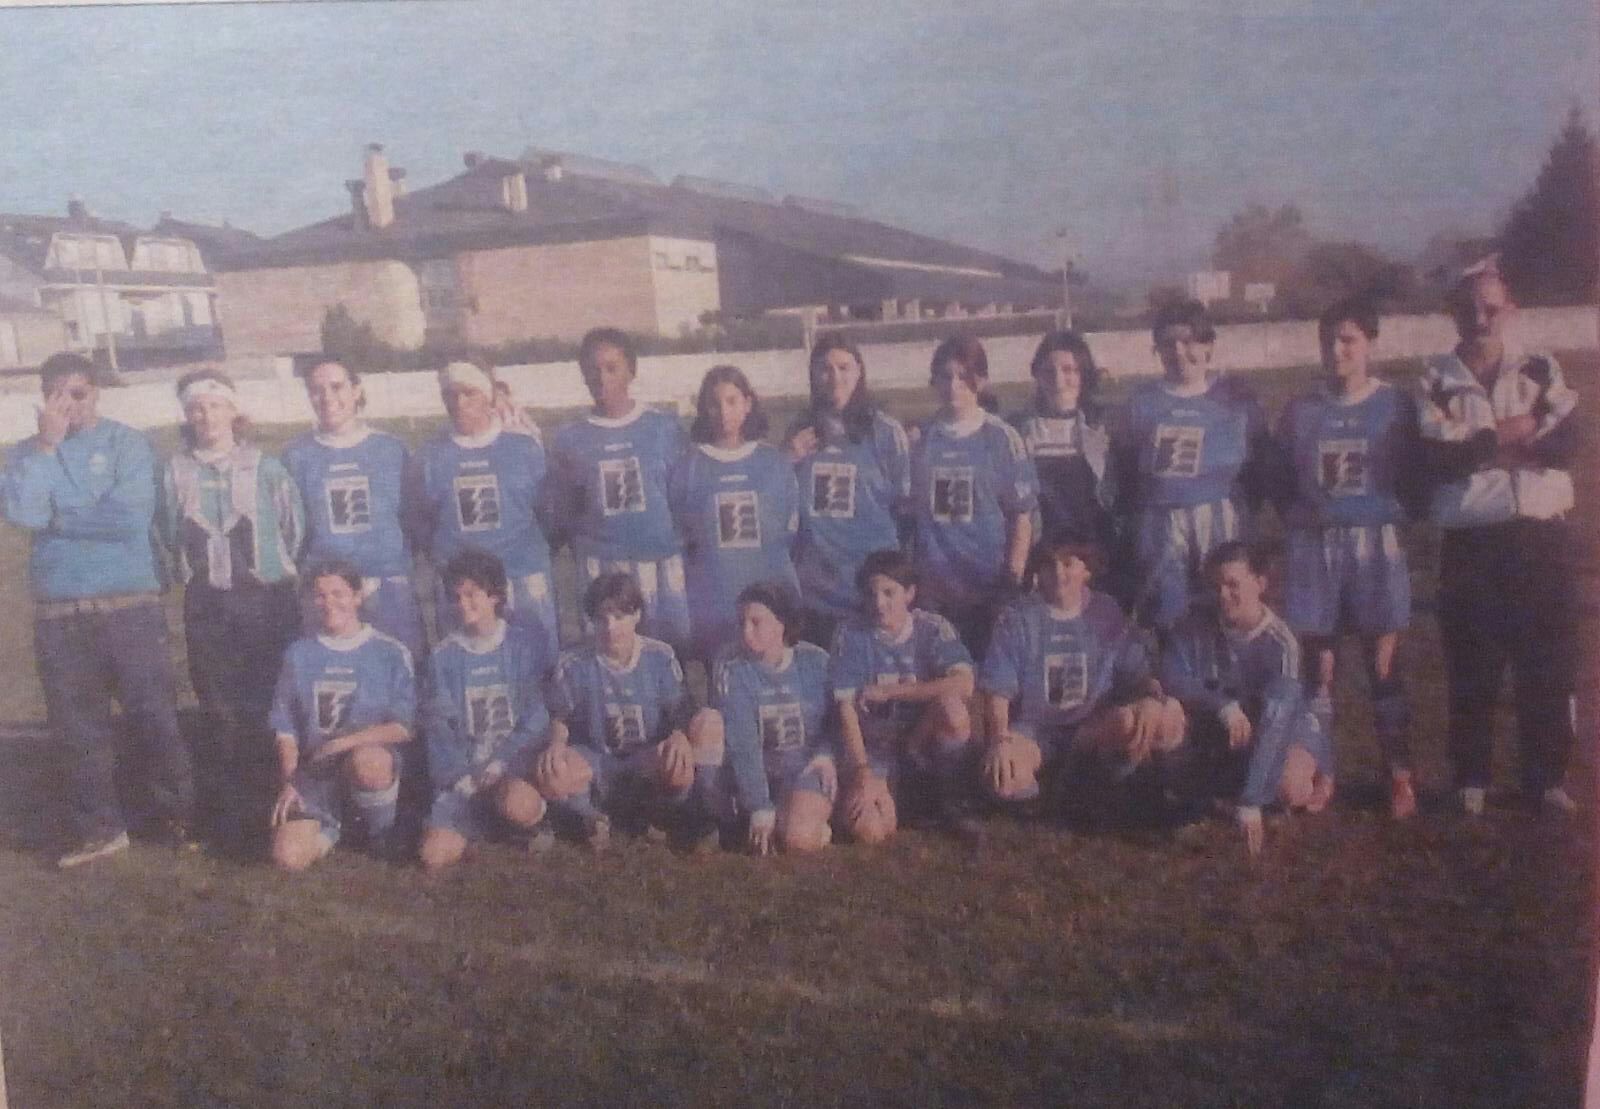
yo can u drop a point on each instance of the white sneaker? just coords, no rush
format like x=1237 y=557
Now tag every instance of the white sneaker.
x=90 y=850
x=1472 y=799
x=1558 y=800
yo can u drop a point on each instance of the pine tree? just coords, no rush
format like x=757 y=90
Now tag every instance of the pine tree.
x=1550 y=249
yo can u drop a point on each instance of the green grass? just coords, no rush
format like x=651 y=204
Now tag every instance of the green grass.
x=1358 y=964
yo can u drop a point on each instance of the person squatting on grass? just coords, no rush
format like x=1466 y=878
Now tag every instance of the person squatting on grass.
x=627 y=742
x=736 y=504
x=1192 y=458
x=1236 y=667
x=1352 y=448
x=853 y=462
x=342 y=715
x=773 y=693
x=1499 y=436
x=974 y=492
x=84 y=489
x=608 y=487
x=1068 y=687
x=484 y=717
x=231 y=519
x=901 y=679
x=481 y=485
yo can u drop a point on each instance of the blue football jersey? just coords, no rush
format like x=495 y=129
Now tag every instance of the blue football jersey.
x=329 y=687
x=485 y=493
x=608 y=483
x=355 y=500
x=1177 y=452
x=926 y=650
x=1057 y=670
x=619 y=710
x=737 y=512
x=966 y=483
x=852 y=496
x=485 y=701
x=1349 y=458
x=771 y=717
x=1206 y=666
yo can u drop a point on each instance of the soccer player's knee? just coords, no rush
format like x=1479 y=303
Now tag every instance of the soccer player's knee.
x=952 y=718
x=441 y=848
x=874 y=824
x=295 y=849
x=1298 y=780
x=706 y=737
x=804 y=823
x=519 y=803
x=570 y=775
x=371 y=768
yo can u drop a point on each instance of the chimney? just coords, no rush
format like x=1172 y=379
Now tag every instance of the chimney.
x=358 y=201
x=76 y=208
x=397 y=182
x=379 y=189
x=472 y=159
x=514 y=192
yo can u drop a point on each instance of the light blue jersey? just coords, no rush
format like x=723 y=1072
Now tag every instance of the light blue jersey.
x=354 y=500
x=737 y=511
x=967 y=482
x=88 y=503
x=483 y=492
x=1179 y=452
x=926 y=650
x=852 y=496
x=620 y=710
x=608 y=484
x=1058 y=670
x=776 y=720
x=1350 y=458
x=486 y=706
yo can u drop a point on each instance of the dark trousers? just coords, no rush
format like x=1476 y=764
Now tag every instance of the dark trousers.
x=86 y=659
x=236 y=640
x=1506 y=596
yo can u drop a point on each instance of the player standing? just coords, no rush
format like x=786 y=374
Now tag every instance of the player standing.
x=1352 y=448
x=736 y=505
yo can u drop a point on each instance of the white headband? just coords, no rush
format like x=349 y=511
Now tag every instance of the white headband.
x=207 y=387
x=468 y=375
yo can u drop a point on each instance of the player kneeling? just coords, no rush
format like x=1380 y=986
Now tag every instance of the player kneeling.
x=627 y=741
x=1068 y=681
x=773 y=695
x=901 y=679
x=484 y=720
x=1237 y=672
x=342 y=714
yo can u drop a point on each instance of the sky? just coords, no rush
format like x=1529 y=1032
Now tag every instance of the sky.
x=1137 y=126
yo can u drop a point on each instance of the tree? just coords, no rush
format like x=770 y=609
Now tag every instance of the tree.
x=1259 y=244
x=355 y=344
x=1549 y=243
x=1331 y=271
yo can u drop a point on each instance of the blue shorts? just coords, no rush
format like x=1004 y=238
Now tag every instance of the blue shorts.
x=666 y=593
x=325 y=794
x=1170 y=546
x=530 y=600
x=809 y=771
x=473 y=815
x=390 y=605
x=1347 y=578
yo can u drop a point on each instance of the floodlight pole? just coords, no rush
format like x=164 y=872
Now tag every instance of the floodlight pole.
x=1066 y=278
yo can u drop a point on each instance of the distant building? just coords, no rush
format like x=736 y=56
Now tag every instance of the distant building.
x=550 y=244
x=145 y=292
x=28 y=334
x=1210 y=286
x=1260 y=295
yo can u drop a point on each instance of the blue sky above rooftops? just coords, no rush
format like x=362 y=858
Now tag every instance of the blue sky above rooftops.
x=1138 y=125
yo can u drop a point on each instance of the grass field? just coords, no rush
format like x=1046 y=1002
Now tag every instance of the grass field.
x=1438 y=963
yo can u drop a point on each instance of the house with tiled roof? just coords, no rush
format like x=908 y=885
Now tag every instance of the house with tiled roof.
x=549 y=244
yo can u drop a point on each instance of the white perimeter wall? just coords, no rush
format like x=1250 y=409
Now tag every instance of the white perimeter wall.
x=675 y=378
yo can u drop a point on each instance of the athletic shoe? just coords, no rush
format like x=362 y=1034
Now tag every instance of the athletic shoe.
x=90 y=850
x=540 y=840
x=1558 y=800
x=1402 y=797
x=597 y=833
x=1472 y=799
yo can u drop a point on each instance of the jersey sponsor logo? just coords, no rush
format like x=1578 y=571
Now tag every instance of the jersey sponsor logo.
x=738 y=518
x=621 y=485
x=477 y=502
x=349 y=504
x=333 y=701
x=833 y=490
x=1052 y=439
x=624 y=727
x=783 y=727
x=1342 y=467
x=1177 y=450
x=952 y=494
x=1066 y=679
x=99 y=463
x=489 y=713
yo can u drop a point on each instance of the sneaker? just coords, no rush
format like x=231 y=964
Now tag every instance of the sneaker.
x=90 y=850
x=540 y=840
x=1472 y=799
x=597 y=833
x=1403 y=797
x=1558 y=800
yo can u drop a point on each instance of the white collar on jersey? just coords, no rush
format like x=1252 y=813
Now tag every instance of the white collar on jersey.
x=616 y=421
x=482 y=439
x=1069 y=613
x=960 y=429
x=1247 y=636
x=346 y=642
x=1370 y=386
x=212 y=457
x=726 y=454
x=481 y=644
x=900 y=637
x=1189 y=391
x=356 y=433
x=633 y=659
